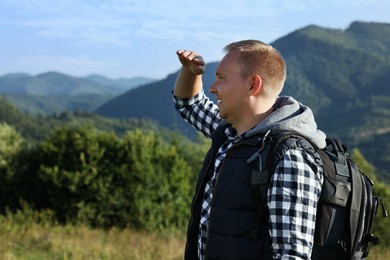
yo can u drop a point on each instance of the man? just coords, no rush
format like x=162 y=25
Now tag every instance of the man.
x=227 y=222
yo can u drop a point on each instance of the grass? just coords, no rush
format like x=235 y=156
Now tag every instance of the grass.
x=32 y=236
x=23 y=237
x=80 y=242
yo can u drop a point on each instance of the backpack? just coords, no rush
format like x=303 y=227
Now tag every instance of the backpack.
x=346 y=208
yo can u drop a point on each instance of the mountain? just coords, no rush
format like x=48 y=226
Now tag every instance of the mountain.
x=342 y=75
x=54 y=92
x=340 y=71
x=122 y=83
x=35 y=129
x=52 y=83
x=153 y=101
x=55 y=104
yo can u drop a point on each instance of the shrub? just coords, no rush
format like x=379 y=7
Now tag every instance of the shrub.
x=93 y=177
x=10 y=148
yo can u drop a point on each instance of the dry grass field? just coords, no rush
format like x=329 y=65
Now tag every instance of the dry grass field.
x=22 y=238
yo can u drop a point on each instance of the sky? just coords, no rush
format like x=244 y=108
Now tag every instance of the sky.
x=131 y=38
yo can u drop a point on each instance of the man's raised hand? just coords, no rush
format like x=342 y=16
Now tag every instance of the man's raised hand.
x=192 y=61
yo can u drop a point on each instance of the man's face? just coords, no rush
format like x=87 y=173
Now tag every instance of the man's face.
x=230 y=88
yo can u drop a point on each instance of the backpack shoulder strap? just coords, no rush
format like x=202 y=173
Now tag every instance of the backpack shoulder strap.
x=278 y=145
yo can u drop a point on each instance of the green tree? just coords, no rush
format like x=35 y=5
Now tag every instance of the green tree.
x=70 y=170
x=10 y=147
x=159 y=182
x=97 y=178
x=192 y=152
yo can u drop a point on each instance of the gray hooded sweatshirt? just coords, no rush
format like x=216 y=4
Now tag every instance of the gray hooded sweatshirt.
x=290 y=115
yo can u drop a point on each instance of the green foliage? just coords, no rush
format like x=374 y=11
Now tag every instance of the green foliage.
x=159 y=182
x=381 y=224
x=11 y=144
x=97 y=178
x=71 y=166
x=81 y=170
x=192 y=152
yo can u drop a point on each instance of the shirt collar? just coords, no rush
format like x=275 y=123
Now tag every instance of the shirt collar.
x=231 y=134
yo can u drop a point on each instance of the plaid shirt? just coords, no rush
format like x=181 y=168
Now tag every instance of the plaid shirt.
x=292 y=197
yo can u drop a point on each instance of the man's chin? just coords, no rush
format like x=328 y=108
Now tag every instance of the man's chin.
x=221 y=115
x=224 y=117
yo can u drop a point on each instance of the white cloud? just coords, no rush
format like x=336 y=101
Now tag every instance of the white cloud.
x=115 y=22
x=99 y=24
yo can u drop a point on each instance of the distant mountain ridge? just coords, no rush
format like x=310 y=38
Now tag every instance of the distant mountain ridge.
x=343 y=75
x=123 y=84
x=55 y=83
x=29 y=93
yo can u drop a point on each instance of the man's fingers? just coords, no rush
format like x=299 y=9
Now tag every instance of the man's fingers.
x=192 y=60
x=189 y=55
x=179 y=52
x=199 y=59
x=200 y=66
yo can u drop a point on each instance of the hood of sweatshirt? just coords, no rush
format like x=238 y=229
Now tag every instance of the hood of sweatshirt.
x=291 y=115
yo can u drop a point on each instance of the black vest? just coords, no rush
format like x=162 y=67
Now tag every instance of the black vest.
x=234 y=209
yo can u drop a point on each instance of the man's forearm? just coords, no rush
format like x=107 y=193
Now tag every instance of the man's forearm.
x=187 y=84
x=189 y=81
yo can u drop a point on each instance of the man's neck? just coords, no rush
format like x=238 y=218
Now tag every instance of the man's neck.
x=251 y=122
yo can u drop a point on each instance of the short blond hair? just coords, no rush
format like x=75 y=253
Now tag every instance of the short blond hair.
x=259 y=58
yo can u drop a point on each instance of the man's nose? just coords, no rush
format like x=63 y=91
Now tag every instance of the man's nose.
x=213 y=88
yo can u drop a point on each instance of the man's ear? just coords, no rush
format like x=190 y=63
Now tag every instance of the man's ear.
x=256 y=85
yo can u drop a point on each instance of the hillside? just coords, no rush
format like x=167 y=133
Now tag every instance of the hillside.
x=342 y=75
x=122 y=84
x=51 y=83
x=37 y=128
x=54 y=92
x=55 y=104
x=339 y=68
x=154 y=101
